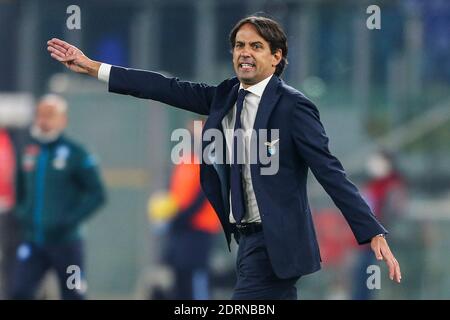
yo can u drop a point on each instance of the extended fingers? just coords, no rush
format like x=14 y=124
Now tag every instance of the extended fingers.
x=60 y=43
x=398 y=273
x=63 y=58
x=59 y=48
x=56 y=52
x=392 y=263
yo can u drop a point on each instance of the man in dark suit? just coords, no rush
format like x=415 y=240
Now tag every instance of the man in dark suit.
x=268 y=213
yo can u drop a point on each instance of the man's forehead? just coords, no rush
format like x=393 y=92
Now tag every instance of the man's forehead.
x=45 y=106
x=249 y=33
x=48 y=108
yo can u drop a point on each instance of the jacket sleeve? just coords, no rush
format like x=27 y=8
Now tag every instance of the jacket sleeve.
x=194 y=97
x=311 y=142
x=92 y=191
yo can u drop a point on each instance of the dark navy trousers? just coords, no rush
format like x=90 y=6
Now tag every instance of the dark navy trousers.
x=256 y=279
x=33 y=261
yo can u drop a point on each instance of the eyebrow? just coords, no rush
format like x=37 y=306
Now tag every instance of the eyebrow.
x=251 y=43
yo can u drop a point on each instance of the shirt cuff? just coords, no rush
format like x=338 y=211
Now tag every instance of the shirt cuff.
x=103 y=72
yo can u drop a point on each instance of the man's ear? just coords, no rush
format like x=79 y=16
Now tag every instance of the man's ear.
x=277 y=56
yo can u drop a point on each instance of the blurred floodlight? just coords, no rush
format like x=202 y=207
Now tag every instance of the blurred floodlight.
x=16 y=110
x=314 y=87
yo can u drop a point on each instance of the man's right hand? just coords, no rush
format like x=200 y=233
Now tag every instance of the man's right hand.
x=72 y=57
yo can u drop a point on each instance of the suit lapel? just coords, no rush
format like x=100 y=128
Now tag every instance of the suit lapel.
x=215 y=119
x=268 y=102
x=216 y=188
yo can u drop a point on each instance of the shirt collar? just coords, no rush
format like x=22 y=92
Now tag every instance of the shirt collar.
x=258 y=89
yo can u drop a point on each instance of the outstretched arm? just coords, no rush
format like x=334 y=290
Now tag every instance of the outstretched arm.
x=194 y=97
x=72 y=57
x=312 y=144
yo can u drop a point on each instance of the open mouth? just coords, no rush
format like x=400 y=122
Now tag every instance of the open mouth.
x=246 y=66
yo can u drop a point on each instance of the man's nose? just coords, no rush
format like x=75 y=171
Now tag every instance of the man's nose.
x=245 y=53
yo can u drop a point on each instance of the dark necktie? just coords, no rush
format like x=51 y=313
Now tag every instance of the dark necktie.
x=237 y=190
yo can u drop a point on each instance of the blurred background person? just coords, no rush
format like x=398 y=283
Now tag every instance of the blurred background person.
x=385 y=192
x=190 y=224
x=58 y=188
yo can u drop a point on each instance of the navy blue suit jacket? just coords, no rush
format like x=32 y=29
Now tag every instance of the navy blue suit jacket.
x=282 y=198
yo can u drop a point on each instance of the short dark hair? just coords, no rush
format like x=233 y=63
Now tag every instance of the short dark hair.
x=271 y=31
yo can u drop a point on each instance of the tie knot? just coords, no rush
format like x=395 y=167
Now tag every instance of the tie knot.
x=241 y=96
x=242 y=93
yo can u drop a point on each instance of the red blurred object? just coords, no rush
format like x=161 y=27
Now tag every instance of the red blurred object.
x=379 y=192
x=7 y=169
x=185 y=186
x=335 y=238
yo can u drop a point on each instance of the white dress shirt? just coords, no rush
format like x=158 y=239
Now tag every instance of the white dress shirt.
x=248 y=116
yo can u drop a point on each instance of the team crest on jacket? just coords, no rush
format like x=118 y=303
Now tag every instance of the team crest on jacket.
x=29 y=158
x=61 y=154
x=271 y=147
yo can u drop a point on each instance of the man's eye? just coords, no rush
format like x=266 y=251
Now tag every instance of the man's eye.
x=257 y=46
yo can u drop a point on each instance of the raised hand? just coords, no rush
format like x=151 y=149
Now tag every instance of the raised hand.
x=72 y=57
